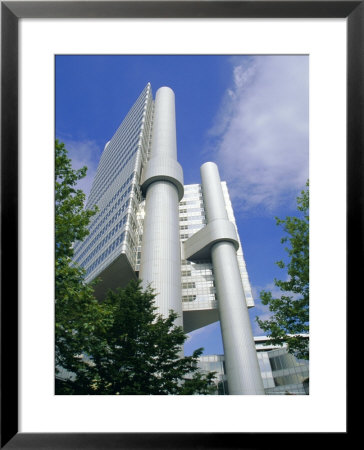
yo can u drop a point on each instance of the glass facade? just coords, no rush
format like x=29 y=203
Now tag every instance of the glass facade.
x=289 y=373
x=239 y=253
x=118 y=226
x=113 y=249
x=116 y=192
x=197 y=277
x=198 y=287
x=282 y=373
x=215 y=363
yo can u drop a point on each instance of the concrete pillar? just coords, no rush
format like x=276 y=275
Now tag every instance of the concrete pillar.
x=162 y=185
x=241 y=362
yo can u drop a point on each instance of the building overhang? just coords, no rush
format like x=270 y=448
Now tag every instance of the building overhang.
x=116 y=275
x=195 y=319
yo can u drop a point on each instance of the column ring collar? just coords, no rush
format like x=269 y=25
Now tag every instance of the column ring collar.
x=162 y=168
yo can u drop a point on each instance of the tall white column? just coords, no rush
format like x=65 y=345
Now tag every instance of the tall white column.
x=241 y=362
x=162 y=184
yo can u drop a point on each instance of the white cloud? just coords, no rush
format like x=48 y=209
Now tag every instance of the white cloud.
x=261 y=131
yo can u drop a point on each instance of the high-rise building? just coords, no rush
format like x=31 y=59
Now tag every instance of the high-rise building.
x=180 y=239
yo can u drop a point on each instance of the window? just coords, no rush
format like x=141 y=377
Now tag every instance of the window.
x=189 y=285
x=186 y=273
x=188 y=298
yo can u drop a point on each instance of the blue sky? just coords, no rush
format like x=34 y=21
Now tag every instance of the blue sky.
x=249 y=114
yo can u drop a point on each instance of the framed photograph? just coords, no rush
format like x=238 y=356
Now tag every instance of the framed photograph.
x=31 y=419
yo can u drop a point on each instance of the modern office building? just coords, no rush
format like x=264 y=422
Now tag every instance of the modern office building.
x=180 y=239
x=282 y=372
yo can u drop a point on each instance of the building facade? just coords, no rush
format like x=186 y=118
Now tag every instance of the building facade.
x=282 y=373
x=180 y=239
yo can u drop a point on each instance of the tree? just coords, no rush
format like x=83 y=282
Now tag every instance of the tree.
x=119 y=346
x=76 y=309
x=291 y=310
x=137 y=352
x=71 y=219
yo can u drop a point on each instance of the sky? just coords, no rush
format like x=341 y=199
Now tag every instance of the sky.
x=249 y=114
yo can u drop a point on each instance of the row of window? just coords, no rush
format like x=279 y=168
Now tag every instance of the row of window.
x=193 y=222
x=108 y=225
x=207 y=292
x=283 y=361
x=126 y=137
x=188 y=298
x=189 y=285
x=105 y=240
x=193 y=215
x=203 y=299
x=128 y=131
x=193 y=195
x=201 y=280
x=130 y=249
x=105 y=254
x=116 y=172
x=99 y=221
x=191 y=226
x=186 y=273
x=288 y=379
x=196 y=202
x=106 y=173
x=201 y=209
x=125 y=185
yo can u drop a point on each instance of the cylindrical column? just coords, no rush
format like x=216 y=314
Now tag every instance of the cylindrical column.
x=241 y=362
x=164 y=141
x=160 y=263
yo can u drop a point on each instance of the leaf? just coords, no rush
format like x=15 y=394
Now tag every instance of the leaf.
x=291 y=310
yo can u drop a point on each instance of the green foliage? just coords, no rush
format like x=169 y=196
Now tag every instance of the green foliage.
x=291 y=310
x=71 y=219
x=119 y=346
x=137 y=352
x=76 y=309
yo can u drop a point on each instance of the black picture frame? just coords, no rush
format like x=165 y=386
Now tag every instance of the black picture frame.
x=11 y=12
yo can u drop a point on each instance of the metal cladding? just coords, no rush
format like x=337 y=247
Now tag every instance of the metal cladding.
x=163 y=165
x=146 y=213
x=109 y=251
x=242 y=367
x=161 y=168
x=162 y=183
x=199 y=245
